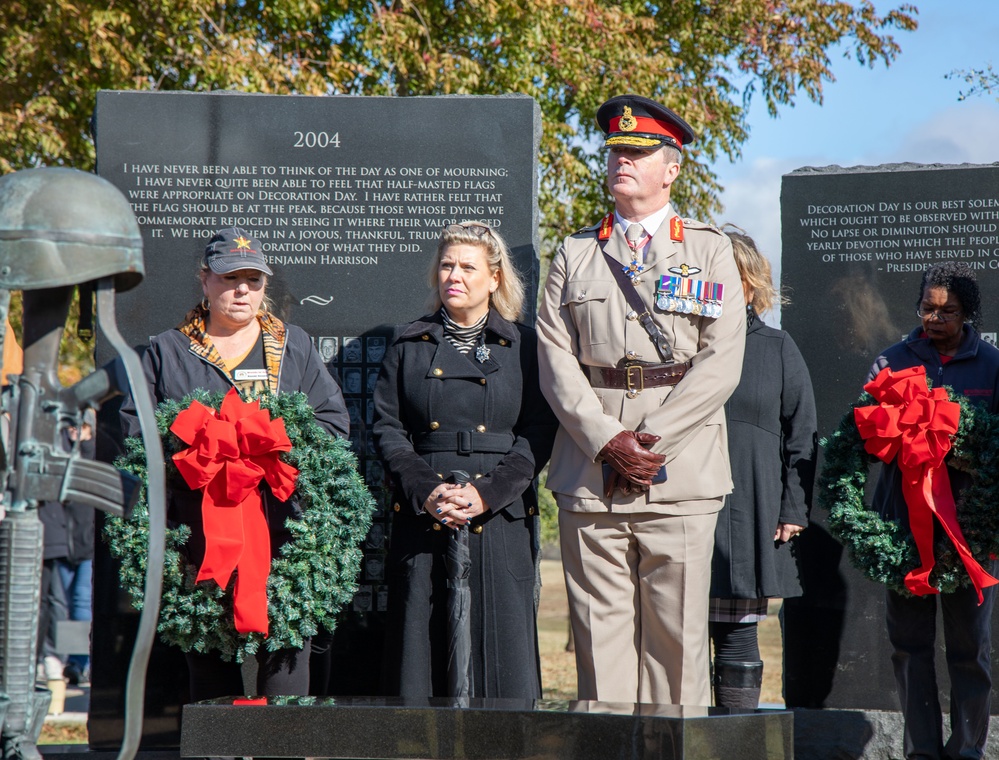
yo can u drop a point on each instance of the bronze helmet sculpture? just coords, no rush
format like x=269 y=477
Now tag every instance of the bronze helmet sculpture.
x=59 y=229
x=66 y=227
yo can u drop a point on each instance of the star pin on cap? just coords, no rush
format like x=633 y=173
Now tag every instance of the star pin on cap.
x=232 y=249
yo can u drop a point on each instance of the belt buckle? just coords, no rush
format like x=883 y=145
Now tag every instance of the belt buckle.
x=632 y=388
x=464 y=442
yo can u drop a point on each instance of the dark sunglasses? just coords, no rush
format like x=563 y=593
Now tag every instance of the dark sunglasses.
x=476 y=228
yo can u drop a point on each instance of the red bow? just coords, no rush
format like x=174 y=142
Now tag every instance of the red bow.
x=916 y=425
x=230 y=452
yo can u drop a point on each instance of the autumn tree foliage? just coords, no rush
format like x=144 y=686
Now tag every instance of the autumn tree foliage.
x=704 y=58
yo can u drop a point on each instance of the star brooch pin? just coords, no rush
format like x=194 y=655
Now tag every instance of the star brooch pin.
x=634 y=271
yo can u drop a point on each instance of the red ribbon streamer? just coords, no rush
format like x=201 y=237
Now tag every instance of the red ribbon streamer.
x=916 y=425
x=230 y=452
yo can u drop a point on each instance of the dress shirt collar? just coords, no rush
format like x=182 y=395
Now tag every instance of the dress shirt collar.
x=650 y=224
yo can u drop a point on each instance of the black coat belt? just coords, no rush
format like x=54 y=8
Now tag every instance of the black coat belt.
x=635 y=376
x=462 y=442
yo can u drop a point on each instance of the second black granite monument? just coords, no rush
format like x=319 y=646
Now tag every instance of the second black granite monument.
x=855 y=244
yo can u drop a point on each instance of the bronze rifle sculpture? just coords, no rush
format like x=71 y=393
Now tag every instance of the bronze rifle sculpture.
x=59 y=229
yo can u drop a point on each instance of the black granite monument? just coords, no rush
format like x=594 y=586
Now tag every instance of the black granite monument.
x=855 y=244
x=487 y=729
x=348 y=196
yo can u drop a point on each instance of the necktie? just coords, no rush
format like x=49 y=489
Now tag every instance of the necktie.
x=633 y=235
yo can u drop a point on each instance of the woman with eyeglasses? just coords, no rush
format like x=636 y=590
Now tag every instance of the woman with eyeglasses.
x=457 y=400
x=947 y=344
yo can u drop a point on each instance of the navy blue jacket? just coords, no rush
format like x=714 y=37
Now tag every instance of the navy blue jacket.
x=173 y=368
x=973 y=372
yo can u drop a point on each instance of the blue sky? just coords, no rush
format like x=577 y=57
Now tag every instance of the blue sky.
x=906 y=112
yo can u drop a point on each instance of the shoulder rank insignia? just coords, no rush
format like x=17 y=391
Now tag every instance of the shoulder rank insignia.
x=606 y=227
x=676 y=229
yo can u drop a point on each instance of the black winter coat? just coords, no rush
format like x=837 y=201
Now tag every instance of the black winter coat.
x=973 y=372
x=772 y=443
x=69 y=528
x=173 y=370
x=437 y=411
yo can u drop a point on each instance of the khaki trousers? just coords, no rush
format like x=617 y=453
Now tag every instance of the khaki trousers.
x=638 y=589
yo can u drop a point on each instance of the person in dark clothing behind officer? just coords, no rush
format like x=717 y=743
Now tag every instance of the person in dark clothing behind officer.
x=772 y=441
x=458 y=390
x=953 y=354
x=232 y=340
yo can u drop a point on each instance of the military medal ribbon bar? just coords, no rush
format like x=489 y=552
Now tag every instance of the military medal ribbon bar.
x=685 y=295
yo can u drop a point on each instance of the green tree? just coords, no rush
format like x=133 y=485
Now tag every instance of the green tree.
x=705 y=58
x=979 y=81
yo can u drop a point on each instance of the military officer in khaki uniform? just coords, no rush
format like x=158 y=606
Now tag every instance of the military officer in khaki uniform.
x=641 y=335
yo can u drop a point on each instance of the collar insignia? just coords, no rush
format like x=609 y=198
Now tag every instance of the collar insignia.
x=606 y=227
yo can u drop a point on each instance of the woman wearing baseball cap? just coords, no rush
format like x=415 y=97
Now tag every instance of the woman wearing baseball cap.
x=232 y=340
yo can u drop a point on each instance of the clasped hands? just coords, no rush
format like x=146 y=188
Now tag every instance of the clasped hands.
x=633 y=464
x=453 y=505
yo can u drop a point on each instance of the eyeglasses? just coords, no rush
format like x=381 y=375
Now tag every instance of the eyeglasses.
x=943 y=316
x=476 y=228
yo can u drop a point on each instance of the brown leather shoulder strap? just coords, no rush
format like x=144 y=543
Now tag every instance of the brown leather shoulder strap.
x=635 y=302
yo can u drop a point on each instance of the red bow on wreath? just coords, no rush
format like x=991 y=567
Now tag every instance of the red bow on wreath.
x=230 y=452
x=916 y=425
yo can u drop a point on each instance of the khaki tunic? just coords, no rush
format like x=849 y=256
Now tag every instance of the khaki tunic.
x=584 y=319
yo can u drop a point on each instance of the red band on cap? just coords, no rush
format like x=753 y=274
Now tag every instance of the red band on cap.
x=649 y=126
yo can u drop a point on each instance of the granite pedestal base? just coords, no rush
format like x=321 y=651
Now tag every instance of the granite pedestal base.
x=483 y=730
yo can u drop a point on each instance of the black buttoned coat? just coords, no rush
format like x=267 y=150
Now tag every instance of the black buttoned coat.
x=772 y=443
x=436 y=411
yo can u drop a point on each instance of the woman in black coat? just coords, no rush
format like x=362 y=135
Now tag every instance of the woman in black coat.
x=458 y=393
x=233 y=340
x=772 y=444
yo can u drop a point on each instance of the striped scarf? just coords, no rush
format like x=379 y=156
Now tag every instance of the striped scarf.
x=463 y=338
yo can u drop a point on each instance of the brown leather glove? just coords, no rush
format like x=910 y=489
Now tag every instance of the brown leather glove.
x=626 y=453
x=614 y=480
x=647 y=440
x=617 y=480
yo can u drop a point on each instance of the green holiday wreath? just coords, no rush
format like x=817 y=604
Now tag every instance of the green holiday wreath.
x=880 y=548
x=312 y=577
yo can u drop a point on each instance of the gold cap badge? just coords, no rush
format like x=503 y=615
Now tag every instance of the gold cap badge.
x=627 y=122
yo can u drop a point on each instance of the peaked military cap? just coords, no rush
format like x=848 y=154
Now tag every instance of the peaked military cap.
x=639 y=122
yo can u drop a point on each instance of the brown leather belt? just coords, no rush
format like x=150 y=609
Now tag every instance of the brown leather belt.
x=635 y=376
